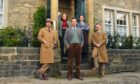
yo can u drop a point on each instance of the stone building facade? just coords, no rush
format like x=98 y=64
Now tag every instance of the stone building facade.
x=18 y=12
x=122 y=16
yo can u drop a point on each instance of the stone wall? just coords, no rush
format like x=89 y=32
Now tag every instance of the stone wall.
x=18 y=61
x=23 y=61
x=123 y=60
x=20 y=12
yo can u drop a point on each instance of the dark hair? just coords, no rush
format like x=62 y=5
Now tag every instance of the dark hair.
x=95 y=26
x=73 y=18
x=81 y=15
x=62 y=16
x=98 y=24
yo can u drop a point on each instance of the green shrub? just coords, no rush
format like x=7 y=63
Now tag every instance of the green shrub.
x=39 y=22
x=10 y=36
x=128 y=43
x=121 y=42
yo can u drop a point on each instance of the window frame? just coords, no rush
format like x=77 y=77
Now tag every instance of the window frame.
x=126 y=25
x=117 y=9
x=5 y=14
x=136 y=26
x=112 y=21
x=2 y=13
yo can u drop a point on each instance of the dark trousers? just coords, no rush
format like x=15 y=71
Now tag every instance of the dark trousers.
x=74 y=52
x=84 y=54
x=63 y=54
x=85 y=48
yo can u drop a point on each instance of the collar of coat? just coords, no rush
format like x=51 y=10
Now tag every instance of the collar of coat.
x=48 y=29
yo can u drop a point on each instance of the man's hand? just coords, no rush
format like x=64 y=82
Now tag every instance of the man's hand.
x=98 y=45
x=45 y=41
x=67 y=46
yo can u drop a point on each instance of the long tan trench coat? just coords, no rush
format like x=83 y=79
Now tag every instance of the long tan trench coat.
x=46 y=50
x=100 y=53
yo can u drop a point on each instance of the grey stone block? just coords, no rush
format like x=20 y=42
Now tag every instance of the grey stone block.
x=7 y=50
x=5 y=58
x=19 y=57
x=33 y=57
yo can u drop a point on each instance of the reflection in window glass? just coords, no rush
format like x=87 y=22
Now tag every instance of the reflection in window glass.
x=108 y=21
x=135 y=26
x=0 y=19
x=1 y=6
x=1 y=13
x=122 y=23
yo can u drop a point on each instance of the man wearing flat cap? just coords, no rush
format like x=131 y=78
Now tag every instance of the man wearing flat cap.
x=47 y=39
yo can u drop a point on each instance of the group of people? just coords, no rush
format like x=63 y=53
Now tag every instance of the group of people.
x=73 y=37
x=63 y=24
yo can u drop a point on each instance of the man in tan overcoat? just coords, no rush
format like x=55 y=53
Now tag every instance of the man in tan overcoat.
x=47 y=39
x=99 y=52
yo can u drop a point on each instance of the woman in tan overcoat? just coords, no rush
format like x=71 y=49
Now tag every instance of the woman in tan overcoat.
x=99 y=52
x=46 y=37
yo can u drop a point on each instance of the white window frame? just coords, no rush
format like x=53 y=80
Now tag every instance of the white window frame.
x=127 y=26
x=116 y=9
x=4 y=14
x=112 y=21
x=136 y=26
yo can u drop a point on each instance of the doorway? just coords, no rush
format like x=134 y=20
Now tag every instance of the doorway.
x=73 y=8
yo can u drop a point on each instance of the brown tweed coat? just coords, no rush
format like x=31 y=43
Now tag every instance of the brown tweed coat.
x=46 y=50
x=100 y=52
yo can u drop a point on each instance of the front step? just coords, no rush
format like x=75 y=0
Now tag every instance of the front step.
x=63 y=67
x=84 y=73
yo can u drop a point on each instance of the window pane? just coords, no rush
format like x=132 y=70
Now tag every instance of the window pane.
x=108 y=21
x=122 y=23
x=0 y=20
x=121 y=30
x=1 y=6
x=121 y=16
x=107 y=16
x=134 y=31
x=135 y=25
x=108 y=29
x=134 y=20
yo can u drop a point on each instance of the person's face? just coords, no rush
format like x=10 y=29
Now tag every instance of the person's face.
x=81 y=18
x=74 y=22
x=98 y=27
x=64 y=17
x=48 y=24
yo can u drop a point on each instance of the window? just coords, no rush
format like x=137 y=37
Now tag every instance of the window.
x=135 y=26
x=118 y=19
x=109 y=21
x=122 y=23
x=1 y=13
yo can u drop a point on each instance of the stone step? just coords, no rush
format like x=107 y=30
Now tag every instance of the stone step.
x=63 y=67
x=84 y=73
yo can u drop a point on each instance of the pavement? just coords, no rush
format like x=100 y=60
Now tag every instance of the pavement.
x=117 y=78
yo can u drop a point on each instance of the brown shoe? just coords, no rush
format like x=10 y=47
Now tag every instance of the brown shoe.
x=40 y=75
x=94 y=69
x=45 y=76
x=103 y=73
x=69 y=78
x=80 y=78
